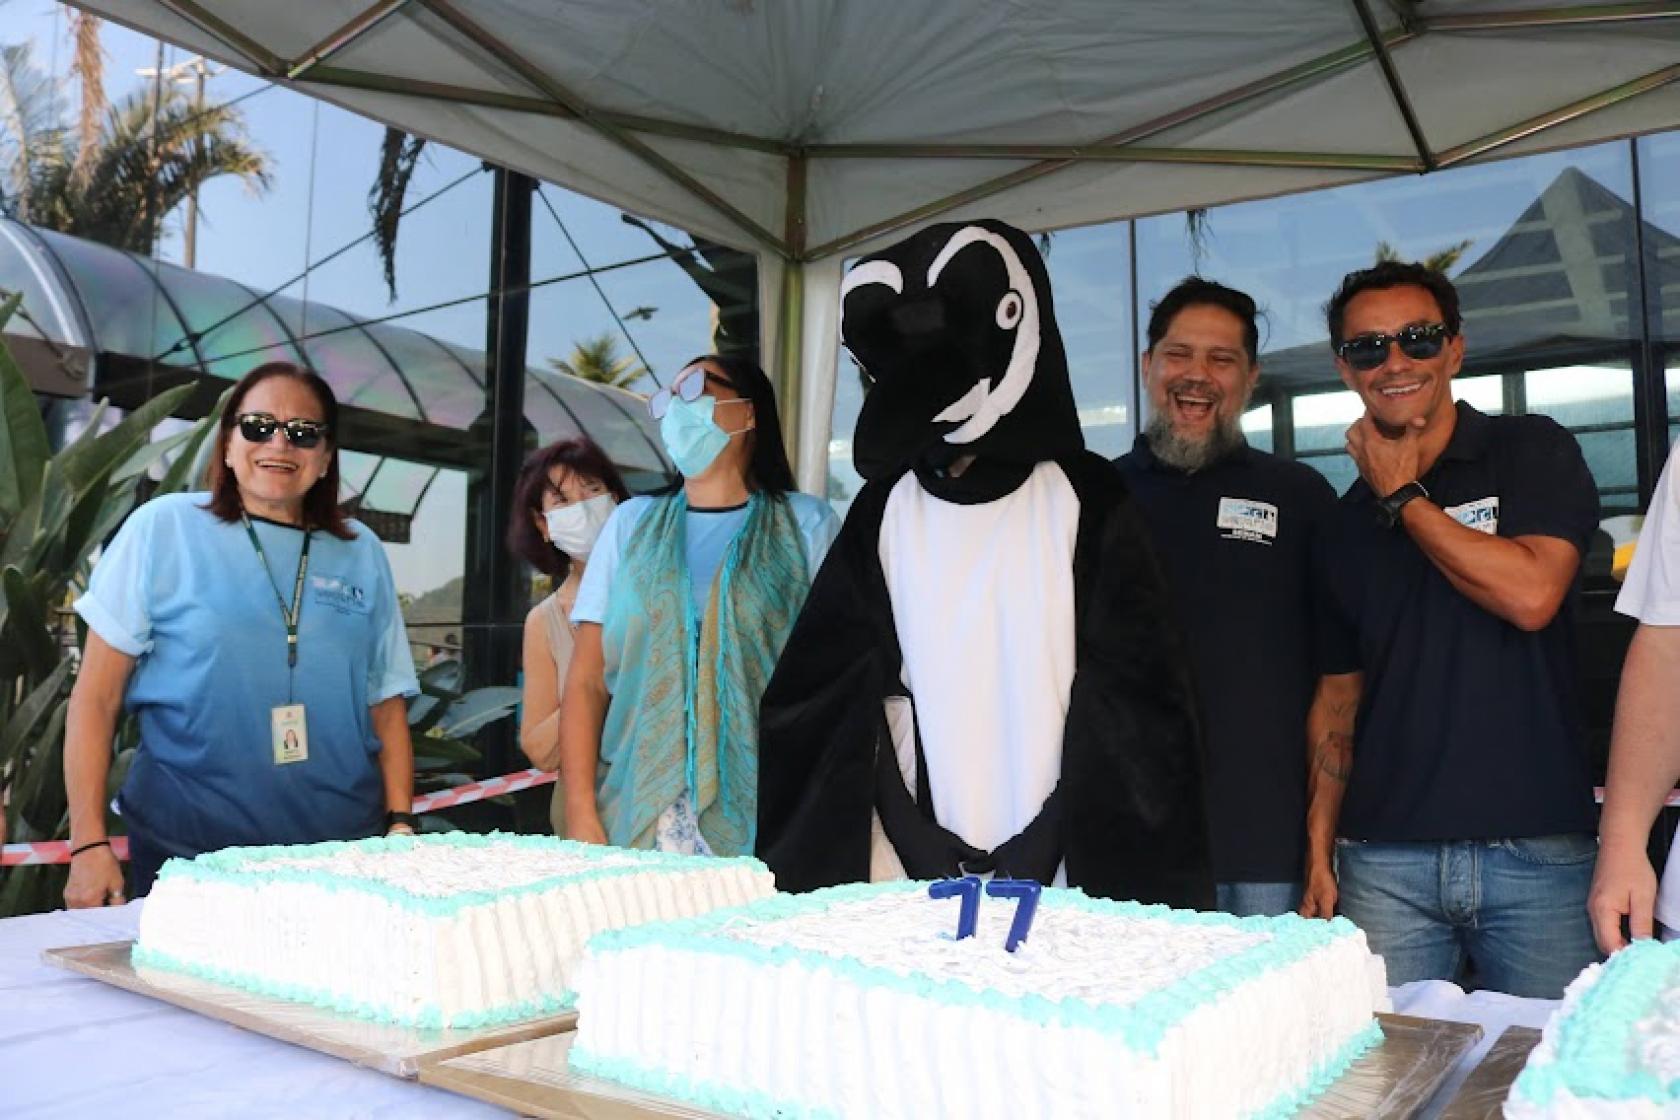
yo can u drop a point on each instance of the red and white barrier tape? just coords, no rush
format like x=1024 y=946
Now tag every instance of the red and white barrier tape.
x=478 y=791
x=58 y=851
x=51 y=851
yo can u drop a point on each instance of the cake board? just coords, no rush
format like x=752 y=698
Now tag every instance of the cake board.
x=396 y=1050
x=1393 y=1080
x=1482 y=1096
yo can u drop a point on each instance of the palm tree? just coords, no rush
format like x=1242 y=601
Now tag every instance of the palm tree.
x=149 y=152
x=597 y=359
x=1440 y=261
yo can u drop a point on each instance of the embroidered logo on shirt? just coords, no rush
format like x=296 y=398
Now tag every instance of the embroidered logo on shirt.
x=343 y=597
x=1481 y=515
x=1245 y=519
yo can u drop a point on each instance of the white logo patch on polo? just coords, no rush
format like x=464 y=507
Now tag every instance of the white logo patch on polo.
x=1245 y=519
x=1481 y=515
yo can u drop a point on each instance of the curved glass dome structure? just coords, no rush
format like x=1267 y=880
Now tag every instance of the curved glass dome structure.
x=130 y=320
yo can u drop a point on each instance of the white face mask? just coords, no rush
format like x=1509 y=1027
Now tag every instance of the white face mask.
x=573 y=529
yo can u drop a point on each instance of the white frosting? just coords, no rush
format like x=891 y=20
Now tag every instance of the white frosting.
x=838 y=1040
x=345 y=942
x=1654 y=1043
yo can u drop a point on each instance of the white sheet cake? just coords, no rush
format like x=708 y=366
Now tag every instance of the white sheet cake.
x=859 y=1001
x=453 y=930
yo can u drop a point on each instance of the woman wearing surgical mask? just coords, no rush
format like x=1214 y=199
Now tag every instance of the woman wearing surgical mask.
x=564 y=496
x=682 y=614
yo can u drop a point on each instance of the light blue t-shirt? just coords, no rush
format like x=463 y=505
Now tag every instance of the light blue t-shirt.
x=184 y=593
x=708 y=535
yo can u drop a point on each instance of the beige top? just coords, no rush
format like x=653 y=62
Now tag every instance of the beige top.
x=558 y=629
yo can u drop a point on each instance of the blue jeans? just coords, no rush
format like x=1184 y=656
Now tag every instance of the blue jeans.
x=1247 y=899
x=1513 y=910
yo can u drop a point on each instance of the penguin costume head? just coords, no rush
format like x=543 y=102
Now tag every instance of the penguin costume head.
x=955 y=330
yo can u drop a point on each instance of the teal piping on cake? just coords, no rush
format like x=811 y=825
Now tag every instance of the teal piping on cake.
x=232 y=867
x=427 y=1016
x=1595 y=1040
x=708 y=1095
x=1142 y=1024
x=1323 y=1075
x=758 y=1105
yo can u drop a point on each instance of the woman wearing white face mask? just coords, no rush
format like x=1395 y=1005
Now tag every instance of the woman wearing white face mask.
x=564 y=496
x=685 y=608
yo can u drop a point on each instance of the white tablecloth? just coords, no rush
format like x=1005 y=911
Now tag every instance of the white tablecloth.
x=73 y=1047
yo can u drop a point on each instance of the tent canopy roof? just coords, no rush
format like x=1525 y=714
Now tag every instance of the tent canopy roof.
x=812 y=129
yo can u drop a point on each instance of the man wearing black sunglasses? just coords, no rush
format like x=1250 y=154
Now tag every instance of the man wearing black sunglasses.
x=1465 y=832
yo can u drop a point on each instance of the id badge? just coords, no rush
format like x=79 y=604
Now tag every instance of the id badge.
x=290 y=734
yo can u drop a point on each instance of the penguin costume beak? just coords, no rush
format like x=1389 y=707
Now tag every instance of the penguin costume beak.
x=951 y=327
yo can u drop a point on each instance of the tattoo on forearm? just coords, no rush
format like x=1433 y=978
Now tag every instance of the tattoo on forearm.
x=1333 y=756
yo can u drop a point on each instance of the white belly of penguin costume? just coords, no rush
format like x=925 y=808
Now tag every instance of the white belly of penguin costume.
x=985 y=676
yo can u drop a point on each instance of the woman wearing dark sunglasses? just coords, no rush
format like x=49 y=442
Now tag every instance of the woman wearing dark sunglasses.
x=257 y=639
x=683 y=612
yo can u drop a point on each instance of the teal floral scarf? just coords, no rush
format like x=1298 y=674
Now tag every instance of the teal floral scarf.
x=686 y=684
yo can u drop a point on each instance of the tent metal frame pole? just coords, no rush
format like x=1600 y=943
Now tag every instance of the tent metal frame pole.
x=1402 y=100
x=267 y=62
x=354 y=29
x=586 y=113
x=1578 y=15
x=1323 y=66
x=792 y=334
x=1337 y=161
x=513 y=102
x=1561 y=115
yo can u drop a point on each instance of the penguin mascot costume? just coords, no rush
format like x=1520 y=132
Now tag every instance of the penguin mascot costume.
x=985 y=676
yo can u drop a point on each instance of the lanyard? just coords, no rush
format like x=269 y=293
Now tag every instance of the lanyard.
x=289 y=616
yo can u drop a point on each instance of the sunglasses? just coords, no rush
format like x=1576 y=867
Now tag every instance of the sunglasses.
x=1368 y=351
x=690 y=387
x=258 y=427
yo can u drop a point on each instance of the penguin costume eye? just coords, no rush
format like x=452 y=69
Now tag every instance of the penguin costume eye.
x=1010 y=309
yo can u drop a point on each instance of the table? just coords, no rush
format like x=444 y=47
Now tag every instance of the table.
x=73 y=1047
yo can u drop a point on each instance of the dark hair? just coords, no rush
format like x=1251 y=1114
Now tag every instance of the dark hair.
x=1193 y=291
x=582 y=456
x=1393 y=274
x=320 y=503
x=768 y=469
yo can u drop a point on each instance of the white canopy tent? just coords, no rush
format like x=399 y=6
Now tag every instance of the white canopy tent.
x=810 y=130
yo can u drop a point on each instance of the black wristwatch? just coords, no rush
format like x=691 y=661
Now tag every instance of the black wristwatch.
x=1388 y=509
x=394 y=818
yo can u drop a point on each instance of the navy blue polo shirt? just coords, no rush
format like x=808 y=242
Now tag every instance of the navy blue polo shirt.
x=1469 y=727
x=1240 y=542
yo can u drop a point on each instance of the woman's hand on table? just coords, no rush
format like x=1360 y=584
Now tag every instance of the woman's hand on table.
x=585 y=827
x=96 y=879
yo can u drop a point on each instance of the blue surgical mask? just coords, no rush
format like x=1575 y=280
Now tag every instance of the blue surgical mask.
x=692 y=438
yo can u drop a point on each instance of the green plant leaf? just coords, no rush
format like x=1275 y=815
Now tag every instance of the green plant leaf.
x=104 y=515
x=478 y=708
x=83 y=464
x=453 y=751
x=142 y=458
x=179 y=475
x=34 y=533
x=25 y=642
x=39 y=791
x=34 y=708
x=23 y=437
x=442 y=679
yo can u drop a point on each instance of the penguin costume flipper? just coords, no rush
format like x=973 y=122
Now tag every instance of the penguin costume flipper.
x=1134 y=817
x=820 y=719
